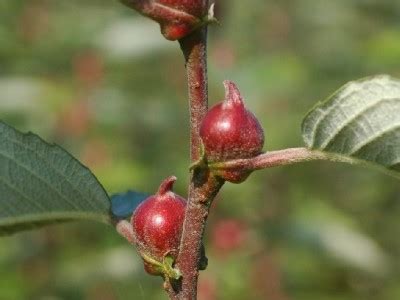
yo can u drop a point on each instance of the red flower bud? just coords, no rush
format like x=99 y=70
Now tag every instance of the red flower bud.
x=229 y=131
x=157 y=222
x=177 y=18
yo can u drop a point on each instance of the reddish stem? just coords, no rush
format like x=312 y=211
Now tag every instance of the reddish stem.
x=202 y=190
x=194 y=48
x=277 y=158
x=203 y=185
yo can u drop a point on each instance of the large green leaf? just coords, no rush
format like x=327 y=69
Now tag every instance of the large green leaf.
x=42 y=183
x=361 y=121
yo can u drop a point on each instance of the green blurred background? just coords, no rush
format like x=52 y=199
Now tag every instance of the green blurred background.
x=98 y=79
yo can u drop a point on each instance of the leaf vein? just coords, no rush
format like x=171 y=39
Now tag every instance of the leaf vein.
x=373 y=139
x=39 y=178
x=352 y=119
x=12 y=187
x=53 y=168
x=333 y=98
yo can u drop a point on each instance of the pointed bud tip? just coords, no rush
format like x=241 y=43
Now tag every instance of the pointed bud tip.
x=166 y=185
x=232 y=93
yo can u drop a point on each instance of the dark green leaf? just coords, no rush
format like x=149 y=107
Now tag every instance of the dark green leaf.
x=43 y=184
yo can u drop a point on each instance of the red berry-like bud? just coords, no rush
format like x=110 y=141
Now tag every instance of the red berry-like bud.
x=175 y=32
x=193 y=7
x=157 y=223
x=177 y=18
x=229 y=131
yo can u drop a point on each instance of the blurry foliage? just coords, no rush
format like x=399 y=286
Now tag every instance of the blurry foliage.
x=98 y=79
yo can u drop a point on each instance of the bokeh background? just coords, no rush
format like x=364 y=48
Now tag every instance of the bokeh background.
x=98 y=79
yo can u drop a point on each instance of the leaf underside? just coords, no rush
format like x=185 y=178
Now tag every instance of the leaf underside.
x=123 y=205
x=361 y=120
x=42 y=184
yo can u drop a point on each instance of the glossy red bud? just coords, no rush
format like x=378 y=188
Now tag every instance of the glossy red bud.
x=229 y=131
x=175 y=32
x=193 y=7
x=177 y=18
x=157 y=223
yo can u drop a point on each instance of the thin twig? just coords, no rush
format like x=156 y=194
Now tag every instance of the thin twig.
x=203 y=185
x=278 y=158
x=194 y=48
x=203 y=188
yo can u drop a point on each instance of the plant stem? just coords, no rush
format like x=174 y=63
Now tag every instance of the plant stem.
x=203 y=185
x=194 y=48
x=202 y=190
x=278 y=158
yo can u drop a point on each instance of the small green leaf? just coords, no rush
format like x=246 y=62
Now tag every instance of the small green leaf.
x=169 y=270
x=43 y=184
x=361 y=120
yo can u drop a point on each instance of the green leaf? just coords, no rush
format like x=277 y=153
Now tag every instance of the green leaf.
x=43 y=184
x=361 y=121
